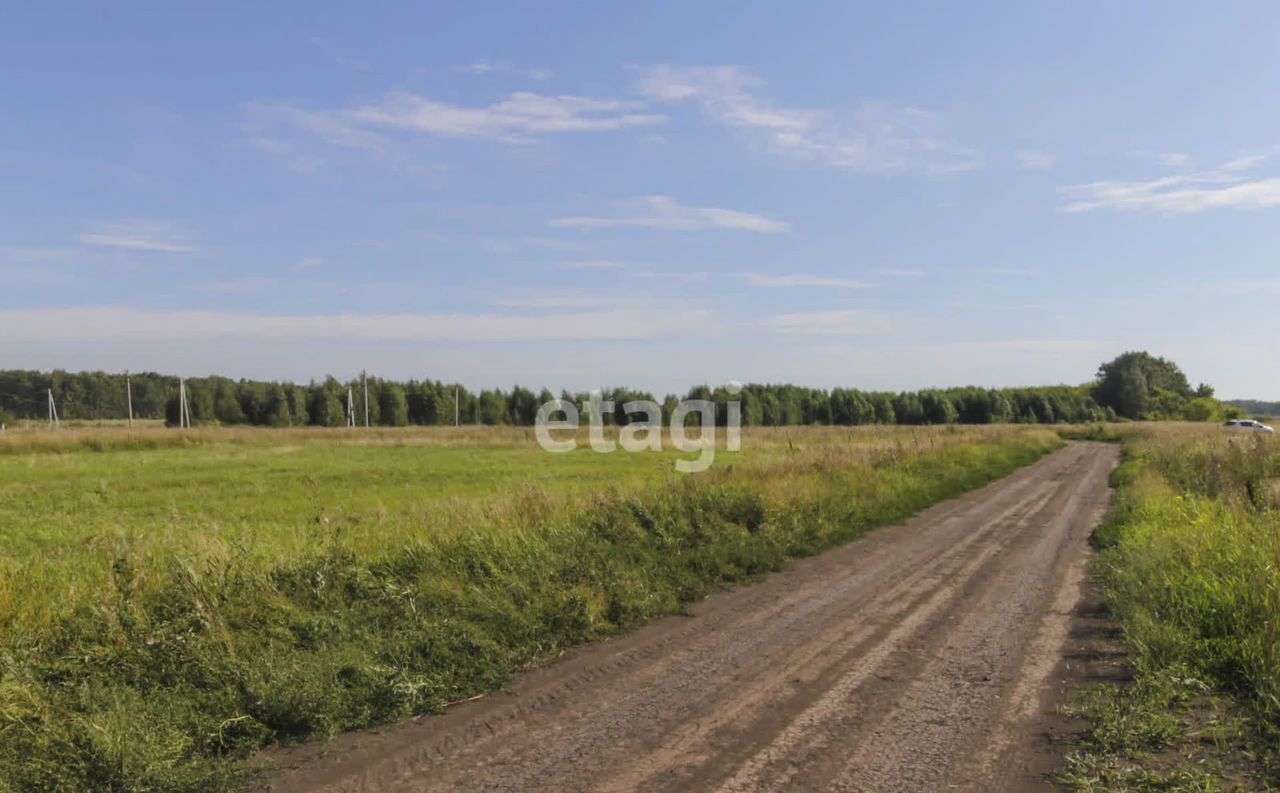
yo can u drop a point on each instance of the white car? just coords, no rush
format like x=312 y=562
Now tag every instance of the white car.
x=1249 y=424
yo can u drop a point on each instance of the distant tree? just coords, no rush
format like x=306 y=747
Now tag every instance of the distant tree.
x=393 y=407
x=1254 y=407
x=425 y=403
x=325 y=404
x=1203 y=409
x=522 y=406
x=938 y=409
x=274 y=411
x=908 y=408
x=1127 y=384
x=883 y=405
x=493 y=408
x=1001 y=408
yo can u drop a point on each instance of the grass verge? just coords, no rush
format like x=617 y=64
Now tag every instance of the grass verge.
x=1189 y=564
x=160 y=665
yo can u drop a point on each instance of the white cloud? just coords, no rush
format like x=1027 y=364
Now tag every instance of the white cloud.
x=788 y=281
x=593 y=264
x=485 y=67
x=334 y=128
x=875 y=137
x=662 y=212
x=1243 y=163
x=724 y=92
x=1222 y=188
x=521 y=115
x=844 y=322
x=520 y=118
x=1035 y=160
x=113 y=323
x=139 y=235
x=896 y=273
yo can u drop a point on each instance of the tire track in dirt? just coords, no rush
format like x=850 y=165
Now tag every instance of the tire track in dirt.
x=912 y=659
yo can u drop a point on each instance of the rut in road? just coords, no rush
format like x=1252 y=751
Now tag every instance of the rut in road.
x=913 y=659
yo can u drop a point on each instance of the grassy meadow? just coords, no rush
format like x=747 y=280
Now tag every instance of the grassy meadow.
x=171 y=601
x=1190 y=566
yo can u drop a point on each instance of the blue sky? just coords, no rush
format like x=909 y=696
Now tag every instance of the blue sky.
x=654 y=195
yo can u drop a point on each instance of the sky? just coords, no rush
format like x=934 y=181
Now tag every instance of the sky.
x=656 y=195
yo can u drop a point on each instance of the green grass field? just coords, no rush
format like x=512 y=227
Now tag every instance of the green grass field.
x=1190 y=567
x=172 y=602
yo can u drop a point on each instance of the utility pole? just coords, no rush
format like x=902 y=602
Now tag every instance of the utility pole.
x=365 y=383
x=184 y=411
x=53 y=411
x=351 y=408
x=128 y=395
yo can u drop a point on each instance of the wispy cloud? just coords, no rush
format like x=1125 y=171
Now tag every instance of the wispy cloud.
x=662 y=212
x=334 y=128
x=1225 y=187
x=877 y=136
x=593 y=264
x=522 y=117
x=790 y=281
x=114 y=323
x=1247 y=163
x=725 y=92
x=516 y=118
x=844 y=322
x=1035 y=160
x=139 y=235
x=486 y=67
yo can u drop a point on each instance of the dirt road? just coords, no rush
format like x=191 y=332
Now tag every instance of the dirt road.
x=916 y=659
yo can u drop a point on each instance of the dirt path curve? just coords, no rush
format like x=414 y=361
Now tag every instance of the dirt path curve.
x=917 y=659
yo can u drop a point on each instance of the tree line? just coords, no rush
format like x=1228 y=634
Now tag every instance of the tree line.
x=1133 y=386
x=1255 y=407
